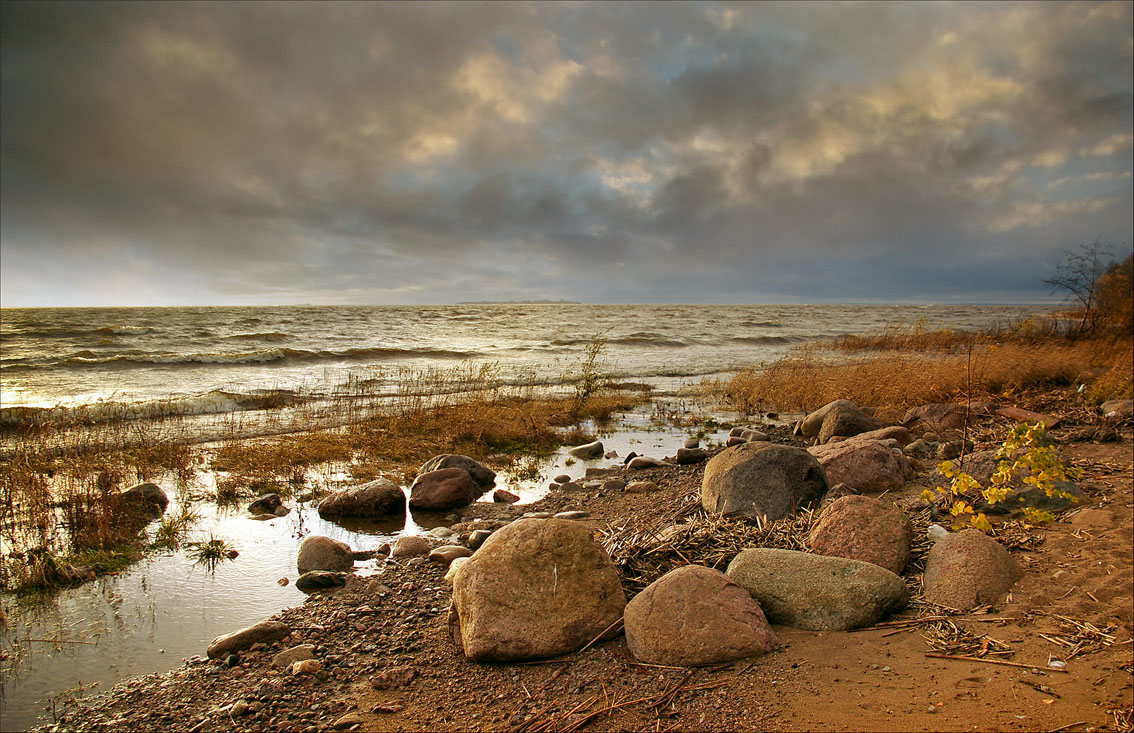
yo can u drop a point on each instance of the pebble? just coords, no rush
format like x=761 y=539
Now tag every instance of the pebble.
x=570 y=515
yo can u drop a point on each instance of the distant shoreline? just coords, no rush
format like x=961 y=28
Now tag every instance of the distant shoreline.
x=519 y=302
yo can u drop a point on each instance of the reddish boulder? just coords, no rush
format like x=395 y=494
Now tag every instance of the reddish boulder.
x=967 y=569
x=693 y=616
x=861 y=528
x=445 y=488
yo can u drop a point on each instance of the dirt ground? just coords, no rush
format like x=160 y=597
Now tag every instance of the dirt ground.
x=1073 y=606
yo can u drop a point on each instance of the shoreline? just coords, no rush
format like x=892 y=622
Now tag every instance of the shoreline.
x=400 y=613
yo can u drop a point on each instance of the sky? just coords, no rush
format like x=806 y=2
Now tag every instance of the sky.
x=275 y=153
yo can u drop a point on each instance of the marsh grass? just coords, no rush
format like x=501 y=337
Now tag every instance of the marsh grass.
x=62 y=472
x=910 y=374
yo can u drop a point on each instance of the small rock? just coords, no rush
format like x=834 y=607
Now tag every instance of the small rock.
x=641 y=487
x=348 y=721
x=477 y=538
x=613 y=485
x=500 y=496
x=264 y=632
x=393 y=678
x=410 y=545
x=454 y=567
x=306 y=666
x=445 y=555
x=295 y=654
x=571 y=486
x=232 y=660
x=734 y=440
x=641 y=462
x=238 y=709
x=570 y=515
x=320 y=580
x=441 y=532
x=686 y=456
x=561 y=478
x=692 y=443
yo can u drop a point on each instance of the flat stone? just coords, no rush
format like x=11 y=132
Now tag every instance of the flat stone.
x=574 y=514
x=411 y=545
x=314 y=580
x=265 y=632
x=640 y=487
x=445 y=555
x=500 y=496
x=587 y=451
x=296 y=653
x=378 y=498
x=816 y=592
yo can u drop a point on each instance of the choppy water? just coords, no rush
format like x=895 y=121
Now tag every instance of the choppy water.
x=228 y=358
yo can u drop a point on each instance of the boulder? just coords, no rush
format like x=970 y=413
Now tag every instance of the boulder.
x=265 y=632
x=941 y=416
x=446 y=554
x=587 y=451
x=693 y=616
x=146 y=496
x=536 y=588
x=379 y=498
x=809 y=427
x=764 y=479
x=867 y=466
x=266 y=504
x=411 y=545
x=314 y=580
x=861 y=528
x=483 y=476
x=754 y=436
x=324 y=553
x=847 y=421
x=686 y=456
x=815 y=592
x=967 y=569
x=614 y=485
x=562 y=478
x=500 y=496
x=692 y=443
x=444 y=488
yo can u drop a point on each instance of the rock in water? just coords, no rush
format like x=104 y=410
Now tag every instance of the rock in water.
x=587 y=451
x=265 y=632
x=444 y=488
x=147 y=496
x=266 y=504
x=762 y=479
x=483 y=476
x=500 y=496
x=536 y=588
x=379 y=498
x=967 y=569
x=816 y=592
x=324 y=553
x=695 y=615
x=861 y=528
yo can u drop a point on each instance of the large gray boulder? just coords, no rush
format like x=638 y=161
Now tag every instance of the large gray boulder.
x=536 y=588
x=967 y=569
x=867 y=466
x=444 y=488
x=695 y=615
x=324 y=553
x=762 y=479
x=265 y=632
x=379 y=498
x=483 y=476
x=861 y=528
x=816 y=592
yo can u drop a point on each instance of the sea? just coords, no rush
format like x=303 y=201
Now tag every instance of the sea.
x=197 y=360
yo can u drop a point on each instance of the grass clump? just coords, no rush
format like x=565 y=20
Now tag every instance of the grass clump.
x=211 y=552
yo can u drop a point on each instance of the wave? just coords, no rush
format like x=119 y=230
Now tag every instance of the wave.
x=266 y=336
x=210 y=403
x=765 y=340
x=762 y=324
x=258 y=356
x=643 y=338
x=124 y=330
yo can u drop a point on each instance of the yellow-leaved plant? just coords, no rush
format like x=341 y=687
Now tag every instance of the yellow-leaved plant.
x=1038 y=465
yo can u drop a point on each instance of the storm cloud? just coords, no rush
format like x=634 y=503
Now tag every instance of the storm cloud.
x=177 y=153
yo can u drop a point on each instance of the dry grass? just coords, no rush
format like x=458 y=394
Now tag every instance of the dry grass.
x=810 y=377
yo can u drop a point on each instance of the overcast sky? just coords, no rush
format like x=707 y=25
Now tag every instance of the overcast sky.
x=253 y=152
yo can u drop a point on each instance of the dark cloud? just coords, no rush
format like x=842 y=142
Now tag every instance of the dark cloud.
x=610 y=152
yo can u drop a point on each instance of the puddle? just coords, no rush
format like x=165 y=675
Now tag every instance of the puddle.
x=166 y=608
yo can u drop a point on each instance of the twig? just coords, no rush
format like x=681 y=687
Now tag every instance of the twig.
x=993 y=661
x=1069 y=725
x=601 y=634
